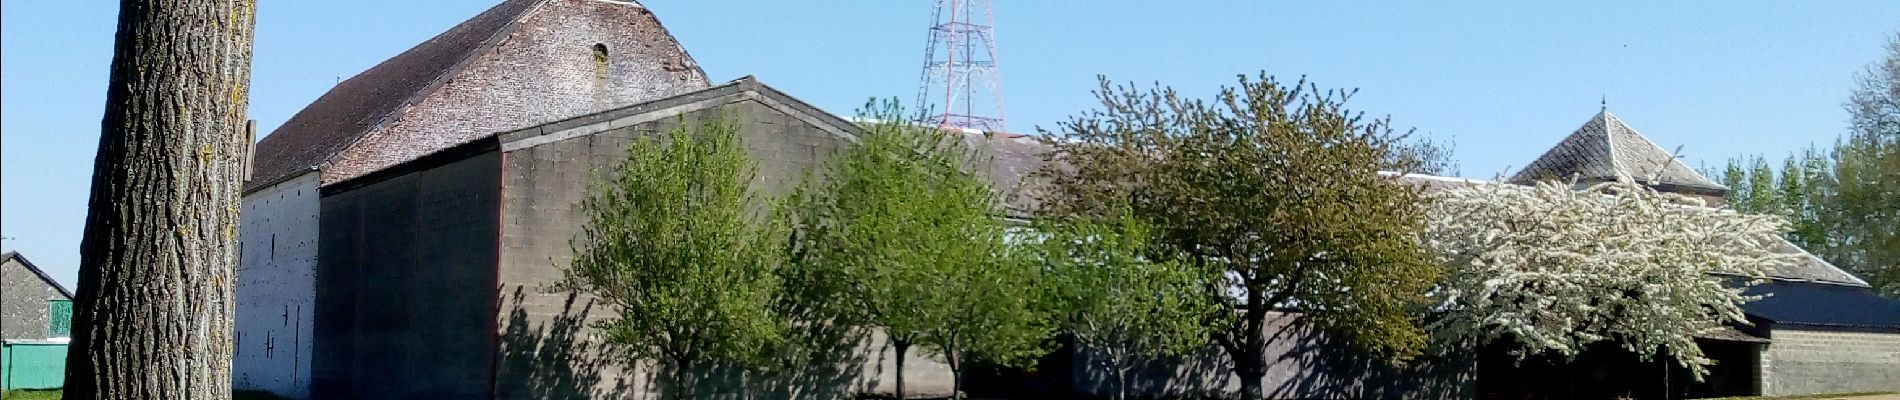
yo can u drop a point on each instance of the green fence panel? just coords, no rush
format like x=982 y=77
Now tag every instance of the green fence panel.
x=59 y=318
x=32 y=365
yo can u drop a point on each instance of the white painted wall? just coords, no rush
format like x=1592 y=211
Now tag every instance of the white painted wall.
x=276 y=290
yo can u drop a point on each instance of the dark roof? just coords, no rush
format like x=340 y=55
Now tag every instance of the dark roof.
x=15 y=256
x=1808 y=267
x=1730 y=334
x=1815 y=304
x=1011 y=159
x=1604 y=148
x=358 y=105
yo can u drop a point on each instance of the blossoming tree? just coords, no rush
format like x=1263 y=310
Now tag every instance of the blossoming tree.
x=1553 y=268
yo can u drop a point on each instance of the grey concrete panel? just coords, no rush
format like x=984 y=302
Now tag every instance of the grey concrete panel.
x=405 y=285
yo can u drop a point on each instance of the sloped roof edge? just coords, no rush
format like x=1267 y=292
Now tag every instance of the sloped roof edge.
x=1593 y=152
x=345 y=115
x=746 y=87
x=14 y=255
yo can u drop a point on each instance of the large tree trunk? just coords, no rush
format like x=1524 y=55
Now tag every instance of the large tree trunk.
x=154 y=309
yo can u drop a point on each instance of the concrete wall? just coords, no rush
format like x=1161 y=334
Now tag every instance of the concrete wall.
x=405 y=282
x=1801 y=361
x=24 y=299
x=1301 y=364
x=276 y=288
x=547 y=346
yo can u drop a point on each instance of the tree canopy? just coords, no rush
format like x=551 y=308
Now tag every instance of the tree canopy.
x=1551 y=269
x=677 y=244
x=913 y=245
x=1278 y=185
x=1841 y=199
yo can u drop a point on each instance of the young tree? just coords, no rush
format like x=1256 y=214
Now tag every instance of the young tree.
x=154 y=311
x=1117 y=303
x=914 y=244
x=1551 y=269
x=677 y=243
x=1278 y=186
x=1867 y=169
x=1842 y=210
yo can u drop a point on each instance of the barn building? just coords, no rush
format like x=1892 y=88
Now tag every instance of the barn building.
x=399 y=234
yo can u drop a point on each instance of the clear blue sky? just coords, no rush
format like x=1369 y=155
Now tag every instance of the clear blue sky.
x=1503 y=80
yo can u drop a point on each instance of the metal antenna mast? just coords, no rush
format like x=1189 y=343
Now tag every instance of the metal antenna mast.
x=959 y=65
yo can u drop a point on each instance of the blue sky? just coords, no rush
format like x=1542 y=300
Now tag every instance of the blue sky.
x=1502 y=80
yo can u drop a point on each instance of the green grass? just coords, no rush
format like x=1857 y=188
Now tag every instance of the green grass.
x=48 y=394
x=1802 y=397
x=53 y=394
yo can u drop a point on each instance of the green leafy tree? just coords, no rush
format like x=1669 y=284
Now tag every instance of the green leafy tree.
x=1867 y=169
x=1280 y=187
x=1841 y=200
x=911 y=243
x=1124 y=308
x=677 y=243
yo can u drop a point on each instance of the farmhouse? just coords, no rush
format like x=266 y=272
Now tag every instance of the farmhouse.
x=401 y=231
x=400 y=234
x=36 y=315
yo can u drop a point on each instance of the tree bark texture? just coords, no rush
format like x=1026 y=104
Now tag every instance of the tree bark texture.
x=153 y=316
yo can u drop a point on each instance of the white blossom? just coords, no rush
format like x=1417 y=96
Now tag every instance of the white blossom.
x=1553 y=269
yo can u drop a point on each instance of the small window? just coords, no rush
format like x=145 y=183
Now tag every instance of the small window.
x=59 y=318
x=600 y=54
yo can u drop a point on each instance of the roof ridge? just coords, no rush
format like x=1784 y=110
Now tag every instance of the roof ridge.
x=435 y=84
x=35 y=269
x=1609 y=138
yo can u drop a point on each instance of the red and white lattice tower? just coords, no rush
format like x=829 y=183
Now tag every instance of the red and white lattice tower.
x=961 y=88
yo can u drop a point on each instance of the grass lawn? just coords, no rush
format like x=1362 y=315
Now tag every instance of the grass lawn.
x=30 y=395
x=53 y=394
x=1807 y=396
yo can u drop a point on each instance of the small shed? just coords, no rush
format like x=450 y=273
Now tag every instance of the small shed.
x=36 y=315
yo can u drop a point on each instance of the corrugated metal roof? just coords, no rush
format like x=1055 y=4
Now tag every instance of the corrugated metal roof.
x=1817 y=304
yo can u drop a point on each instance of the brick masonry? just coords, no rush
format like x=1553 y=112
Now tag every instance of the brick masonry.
x=1803 y=361
x=405 y=283
x=543 y=70
x=275 y=288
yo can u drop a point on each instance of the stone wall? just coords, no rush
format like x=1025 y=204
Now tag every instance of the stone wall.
x=548 y=349
x=24 y=300
x=405 y=281
x=275 y=288
x=1802 y=360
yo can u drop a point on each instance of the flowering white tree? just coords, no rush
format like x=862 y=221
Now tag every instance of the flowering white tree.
x=1552 y=269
